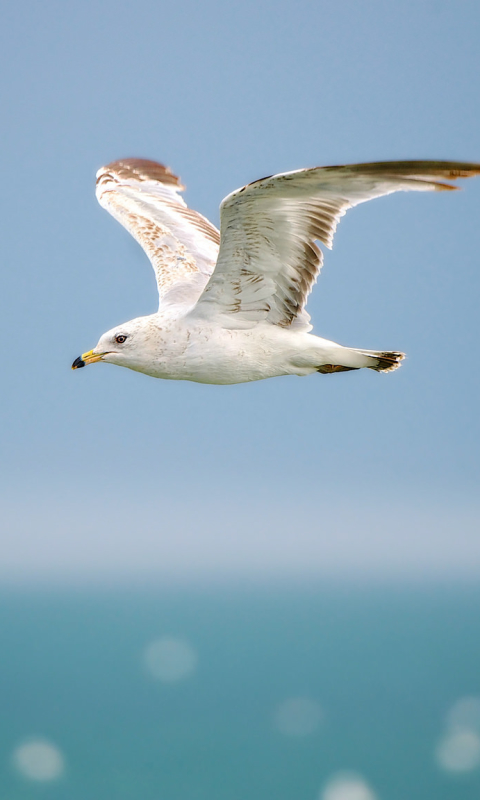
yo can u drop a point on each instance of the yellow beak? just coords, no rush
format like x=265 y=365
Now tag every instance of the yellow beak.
x=87 y=358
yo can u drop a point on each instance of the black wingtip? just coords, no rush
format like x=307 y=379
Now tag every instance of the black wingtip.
x=78 y=363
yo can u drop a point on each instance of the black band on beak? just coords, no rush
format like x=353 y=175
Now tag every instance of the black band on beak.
x=78 y=363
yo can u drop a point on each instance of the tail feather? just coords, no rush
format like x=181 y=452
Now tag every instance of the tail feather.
x=384 y=361
x=348 y=358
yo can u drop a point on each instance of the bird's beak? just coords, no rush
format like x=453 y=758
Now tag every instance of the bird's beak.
x=87 y=358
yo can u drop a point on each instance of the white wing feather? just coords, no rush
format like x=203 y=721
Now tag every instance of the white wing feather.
x=182 y=245
x=268 y=259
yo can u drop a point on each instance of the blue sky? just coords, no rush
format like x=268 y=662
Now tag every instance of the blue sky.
x=107 y=472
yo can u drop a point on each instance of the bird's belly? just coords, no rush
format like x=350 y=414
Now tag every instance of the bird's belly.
x=228 y=364
x=220 y=357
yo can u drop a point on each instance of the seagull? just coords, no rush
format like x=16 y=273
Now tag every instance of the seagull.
x=232 y=302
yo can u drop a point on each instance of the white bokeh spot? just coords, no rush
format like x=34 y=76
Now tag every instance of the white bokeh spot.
x=347 y=786
x=298 y=716
x=465 y=713
x=169 y=659
x=459 y=750
x=39 y=760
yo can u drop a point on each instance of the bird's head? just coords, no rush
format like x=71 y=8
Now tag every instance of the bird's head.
x=126 y=345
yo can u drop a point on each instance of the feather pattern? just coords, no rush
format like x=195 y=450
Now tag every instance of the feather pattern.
x=182 y=245
x=268 y=259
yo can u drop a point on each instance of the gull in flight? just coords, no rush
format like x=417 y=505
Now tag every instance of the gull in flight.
x=232 y=302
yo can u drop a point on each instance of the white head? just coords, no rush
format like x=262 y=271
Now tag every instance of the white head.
x=131 y=345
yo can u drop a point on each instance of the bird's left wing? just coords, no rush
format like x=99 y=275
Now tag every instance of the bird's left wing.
x=268 y=259
x=145 y=198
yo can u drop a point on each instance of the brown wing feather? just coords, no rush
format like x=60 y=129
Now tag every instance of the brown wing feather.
x=142 y=169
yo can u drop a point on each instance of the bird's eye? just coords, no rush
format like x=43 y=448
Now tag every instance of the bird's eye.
x=121 y=338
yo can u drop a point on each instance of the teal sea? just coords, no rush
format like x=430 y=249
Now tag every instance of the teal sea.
x=376 y=669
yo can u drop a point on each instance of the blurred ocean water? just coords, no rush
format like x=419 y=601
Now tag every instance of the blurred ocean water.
x=314 y=693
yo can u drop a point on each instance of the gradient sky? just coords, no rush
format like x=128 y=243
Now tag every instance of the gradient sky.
x=106 y=472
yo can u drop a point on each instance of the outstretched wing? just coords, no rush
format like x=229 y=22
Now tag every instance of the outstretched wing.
x=268 y=259
x=144 y=197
